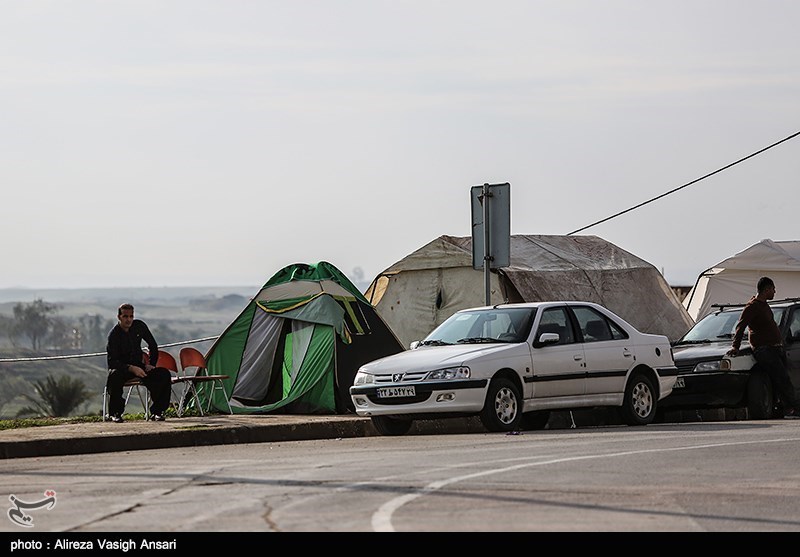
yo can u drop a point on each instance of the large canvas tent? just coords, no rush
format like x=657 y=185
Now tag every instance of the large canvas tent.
x=420 y=291
x=733 y=280
x=297 y=345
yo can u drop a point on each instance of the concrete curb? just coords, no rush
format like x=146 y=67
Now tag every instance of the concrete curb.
x=88 y=438
x=99 y=438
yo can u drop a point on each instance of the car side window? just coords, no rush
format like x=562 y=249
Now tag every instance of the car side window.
x=617 y=333
x=556 y=320
x=596 y=327
x=794 y=325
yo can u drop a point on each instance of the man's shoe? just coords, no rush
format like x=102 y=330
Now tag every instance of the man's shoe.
x=117 y=418
x=157 y=417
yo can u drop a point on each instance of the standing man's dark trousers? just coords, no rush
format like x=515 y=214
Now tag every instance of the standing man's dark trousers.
x=158 y=383
x=773 y=360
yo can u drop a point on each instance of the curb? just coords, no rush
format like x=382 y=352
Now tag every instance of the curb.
x=173 y=438
x=63 y=440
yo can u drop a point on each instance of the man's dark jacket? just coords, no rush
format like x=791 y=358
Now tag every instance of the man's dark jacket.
x=124 y=349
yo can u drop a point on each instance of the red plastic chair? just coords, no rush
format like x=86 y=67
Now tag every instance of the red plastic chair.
x=167 y=361
x=193 y=358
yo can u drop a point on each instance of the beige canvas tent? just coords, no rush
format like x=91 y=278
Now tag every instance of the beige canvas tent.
x=420 y=291
x=733 y=280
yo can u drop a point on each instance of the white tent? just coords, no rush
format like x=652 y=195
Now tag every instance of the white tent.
x=733 y=281
x=420 y=291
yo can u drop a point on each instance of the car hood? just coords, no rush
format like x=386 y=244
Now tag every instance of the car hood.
x=428 y=358
x=700 y=351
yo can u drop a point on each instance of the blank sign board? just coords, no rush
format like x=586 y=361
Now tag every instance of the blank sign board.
x=498 y=215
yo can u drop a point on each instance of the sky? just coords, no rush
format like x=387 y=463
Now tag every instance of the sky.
x=201 y=143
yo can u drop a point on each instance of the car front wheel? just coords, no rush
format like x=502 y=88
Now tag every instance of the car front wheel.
x=639 y=404
x=502 y=410
x=391 y=426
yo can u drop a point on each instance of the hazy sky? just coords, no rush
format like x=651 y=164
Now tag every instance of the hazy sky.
x=182 y=143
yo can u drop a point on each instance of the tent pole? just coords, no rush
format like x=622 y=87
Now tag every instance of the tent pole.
x=701 y=275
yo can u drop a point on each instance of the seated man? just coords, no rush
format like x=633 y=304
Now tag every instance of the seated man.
x=125 y=357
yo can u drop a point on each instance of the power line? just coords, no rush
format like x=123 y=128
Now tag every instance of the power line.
x=685 y=185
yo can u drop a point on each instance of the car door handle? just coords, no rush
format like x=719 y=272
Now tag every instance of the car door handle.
x=626 y=352
x=577 y=357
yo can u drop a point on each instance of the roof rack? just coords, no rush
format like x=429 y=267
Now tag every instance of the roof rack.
x=723 y=306
x=784 y=300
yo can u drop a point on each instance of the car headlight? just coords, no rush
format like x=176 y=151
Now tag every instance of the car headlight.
x=363 y=378
x=717 y=365
x=461 y=372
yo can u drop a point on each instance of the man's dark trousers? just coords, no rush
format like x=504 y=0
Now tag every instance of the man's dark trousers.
x=158 y=382
x=773 y=360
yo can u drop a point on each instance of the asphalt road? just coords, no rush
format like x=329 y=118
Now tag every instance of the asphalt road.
x=689 y=477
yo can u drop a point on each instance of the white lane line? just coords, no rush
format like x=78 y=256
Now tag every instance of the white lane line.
x=383 y=479
x=382 y=518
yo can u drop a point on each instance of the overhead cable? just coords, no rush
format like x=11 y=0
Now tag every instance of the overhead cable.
x=685 y=185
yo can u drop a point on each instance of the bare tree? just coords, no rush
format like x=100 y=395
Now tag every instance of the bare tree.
x=34 y=320
x=94 y=329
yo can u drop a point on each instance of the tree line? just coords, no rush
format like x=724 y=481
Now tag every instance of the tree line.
x=39 y=326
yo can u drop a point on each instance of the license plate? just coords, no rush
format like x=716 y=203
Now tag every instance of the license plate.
x=394 y=392
x=679 y=383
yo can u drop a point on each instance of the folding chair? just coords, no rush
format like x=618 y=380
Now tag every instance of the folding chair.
x=191 y=357
x=136 y=383
x=167 y=361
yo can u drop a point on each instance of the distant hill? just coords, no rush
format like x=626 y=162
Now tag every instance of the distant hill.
x=174 y=314
x=117 y=295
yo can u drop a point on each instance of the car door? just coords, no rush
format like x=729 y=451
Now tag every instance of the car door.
x=792 y=342
x=608 y=351
x=558 y=369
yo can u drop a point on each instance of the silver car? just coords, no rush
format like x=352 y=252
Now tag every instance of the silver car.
x=512 y=364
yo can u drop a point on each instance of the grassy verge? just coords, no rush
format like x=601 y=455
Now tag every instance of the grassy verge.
x=40 y=422
x=17 y=423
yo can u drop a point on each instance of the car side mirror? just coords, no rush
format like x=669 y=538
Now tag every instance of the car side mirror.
x=547 y=338
x=413 y=345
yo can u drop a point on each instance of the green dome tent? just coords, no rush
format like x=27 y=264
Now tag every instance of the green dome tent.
x=297 y=345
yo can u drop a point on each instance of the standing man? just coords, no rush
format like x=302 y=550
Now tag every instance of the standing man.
x=767 y=343
x=125 y=361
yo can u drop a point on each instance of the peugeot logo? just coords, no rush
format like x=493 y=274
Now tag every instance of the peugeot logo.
x=397 y=377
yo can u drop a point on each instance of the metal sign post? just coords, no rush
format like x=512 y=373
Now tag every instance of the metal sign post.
x=491 y=229
x=487 y=257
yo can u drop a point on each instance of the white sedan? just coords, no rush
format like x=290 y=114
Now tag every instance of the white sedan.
x=512 y=364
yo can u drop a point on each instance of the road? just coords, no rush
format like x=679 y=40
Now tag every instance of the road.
x=711 y=477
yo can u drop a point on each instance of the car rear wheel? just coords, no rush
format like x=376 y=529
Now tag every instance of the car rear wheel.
x=760 y=398
x=391 y=426
x=639 y=404
x=535 y=420
x=502 y=410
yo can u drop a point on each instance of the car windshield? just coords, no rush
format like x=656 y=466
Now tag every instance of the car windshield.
x=489 y=325
x=719 y=327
